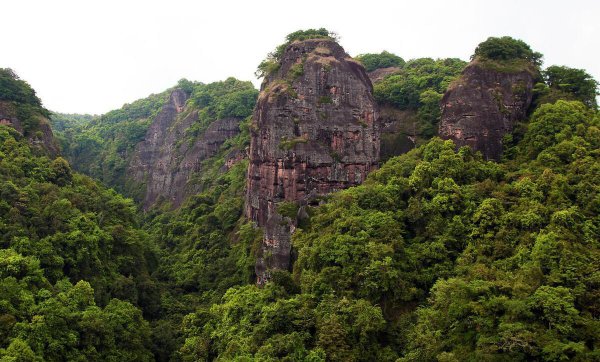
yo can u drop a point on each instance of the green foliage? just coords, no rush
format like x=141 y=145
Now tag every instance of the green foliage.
x=382 y=60
x=420 y=86
x=15 y=90
x=525 y=283
x=573 y=81
x=288 y=209
x=404 y=89
x=439 y=255
x=506 y=48
x=218 y=100
x=62 y=121
x=271 y=63
x=18 y=99
x=57 y=228
x=553 y=123
x=100 y=146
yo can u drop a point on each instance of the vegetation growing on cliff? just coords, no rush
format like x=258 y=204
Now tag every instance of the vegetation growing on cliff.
x=501 y=259
x=384 y=59
x=438 y=256
x=102 y=147
x=218 y=100
x=419 y=86
x=567 y=83
x=20 y=94
x=506 y=48
x=270 y=63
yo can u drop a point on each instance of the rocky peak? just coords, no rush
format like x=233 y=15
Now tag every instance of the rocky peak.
x=314 y=131
x=484 y=104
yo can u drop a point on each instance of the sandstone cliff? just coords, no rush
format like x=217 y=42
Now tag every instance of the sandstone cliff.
x=165 y=160
x=314 y=131
x=484 y=104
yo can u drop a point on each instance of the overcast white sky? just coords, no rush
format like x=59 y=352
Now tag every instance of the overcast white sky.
x=94 y=56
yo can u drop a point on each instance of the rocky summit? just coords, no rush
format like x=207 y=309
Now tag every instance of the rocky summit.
x=314 y=131
x=483 y=105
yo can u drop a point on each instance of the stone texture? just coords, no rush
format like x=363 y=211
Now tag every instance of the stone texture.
x=483 y=105
x=314 y=131
x=164 y=162
x=378 y=74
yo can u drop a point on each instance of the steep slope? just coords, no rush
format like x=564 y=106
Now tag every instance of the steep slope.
x=22 y=110
x=408 y=97
x=164 y=164
x=314 y=131
x=152 y=151
x=483 y=106
x=492 y=94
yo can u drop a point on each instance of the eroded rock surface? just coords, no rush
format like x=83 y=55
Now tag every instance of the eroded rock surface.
x=164 y=162
x=483 y=105
x=314 y=131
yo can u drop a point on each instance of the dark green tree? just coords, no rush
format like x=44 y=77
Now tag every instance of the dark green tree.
x=382 y=60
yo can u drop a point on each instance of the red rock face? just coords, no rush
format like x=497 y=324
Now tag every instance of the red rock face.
x=483 y=106
x=314 y=131
x=164 y=164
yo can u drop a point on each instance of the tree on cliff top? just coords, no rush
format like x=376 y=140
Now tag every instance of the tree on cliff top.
x=271 y=62
x=575 y=81
x=506 y=48
x=384 y=59
x=12 y=88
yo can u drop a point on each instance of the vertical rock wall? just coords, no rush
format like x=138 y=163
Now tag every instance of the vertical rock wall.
x=164 y=162
x=483 y=105
x=314 y=131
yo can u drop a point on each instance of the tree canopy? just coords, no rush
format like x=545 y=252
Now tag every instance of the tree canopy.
x=382 y=60
x=575 y=81
x=506 y=48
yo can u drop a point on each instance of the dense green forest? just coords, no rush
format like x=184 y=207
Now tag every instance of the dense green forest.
x=75 y=266
x=438 y=256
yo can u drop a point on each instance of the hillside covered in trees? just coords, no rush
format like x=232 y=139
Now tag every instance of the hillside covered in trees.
x=440 y=254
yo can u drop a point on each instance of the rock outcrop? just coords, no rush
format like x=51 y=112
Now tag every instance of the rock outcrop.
x=165 y=160
x=40 y=136
x=379 y=74
x=484 y=104
x=314 y=131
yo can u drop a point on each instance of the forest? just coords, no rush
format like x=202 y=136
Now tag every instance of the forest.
x=441 y=254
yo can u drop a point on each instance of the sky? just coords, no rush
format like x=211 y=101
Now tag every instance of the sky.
x=92 y=56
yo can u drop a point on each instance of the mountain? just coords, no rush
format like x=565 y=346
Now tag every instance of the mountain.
x=314 y=131
x=355 y=209
x=491 y=95
x=22 y=110
x=154 y=148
